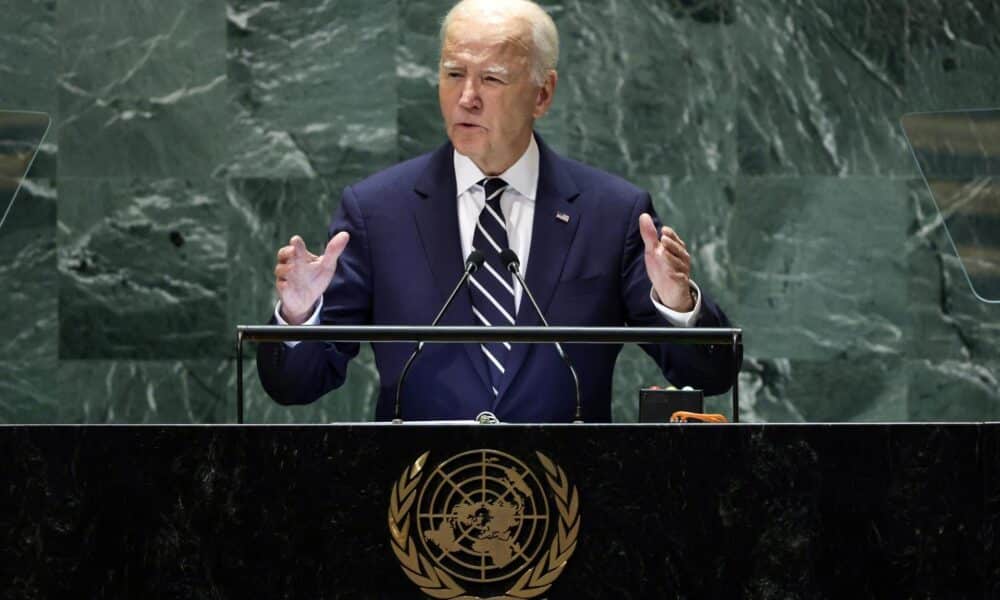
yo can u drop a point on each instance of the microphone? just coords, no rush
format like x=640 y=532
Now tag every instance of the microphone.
x=510 y=260
x=472 y=264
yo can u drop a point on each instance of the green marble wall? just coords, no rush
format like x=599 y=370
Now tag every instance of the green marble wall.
x=191 y=139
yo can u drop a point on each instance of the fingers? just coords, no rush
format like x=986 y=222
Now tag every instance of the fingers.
x=296 y=248
x=666 y=235
x=281 y=271
x=671 y=249
x=296 y=253
x=670 y=233
x=675 y=247
x=286 y=253
x=667 y=239
x=668 y=264
x=648 y=231
x=334 y=248
x=679 y=266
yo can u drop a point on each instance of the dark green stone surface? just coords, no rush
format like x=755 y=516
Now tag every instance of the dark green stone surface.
x=191 y=140
x=141 y=88
x=312 y=87
x=29 y=323
x=29 y=50
x=142 y=269
x=123 y=391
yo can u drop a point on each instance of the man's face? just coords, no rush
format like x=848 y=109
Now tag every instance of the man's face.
x=488 y=99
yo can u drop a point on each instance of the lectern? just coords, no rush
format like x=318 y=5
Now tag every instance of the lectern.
x=705 y=336
x=594 y=511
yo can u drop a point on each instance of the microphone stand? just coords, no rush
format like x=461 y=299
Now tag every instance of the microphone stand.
x=513 y=265
x=472 y=264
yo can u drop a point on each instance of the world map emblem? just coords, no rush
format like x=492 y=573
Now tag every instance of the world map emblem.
x=483 y=523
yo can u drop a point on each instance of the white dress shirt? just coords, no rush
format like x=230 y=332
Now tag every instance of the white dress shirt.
x=518 y=206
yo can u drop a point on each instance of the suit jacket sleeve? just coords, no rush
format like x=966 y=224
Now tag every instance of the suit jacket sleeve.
x=304 y=373
x=709 y=368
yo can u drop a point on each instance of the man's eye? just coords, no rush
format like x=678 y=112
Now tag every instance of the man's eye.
x=454 y=74
x=492 y=79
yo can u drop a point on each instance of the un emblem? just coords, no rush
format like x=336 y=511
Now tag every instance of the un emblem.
x=483 y=519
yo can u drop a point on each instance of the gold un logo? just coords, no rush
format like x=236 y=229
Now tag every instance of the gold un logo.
x=483 y=519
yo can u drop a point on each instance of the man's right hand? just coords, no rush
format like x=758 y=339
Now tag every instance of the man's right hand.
x=301 y=277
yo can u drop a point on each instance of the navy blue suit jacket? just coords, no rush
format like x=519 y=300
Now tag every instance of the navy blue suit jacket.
x=404 y=257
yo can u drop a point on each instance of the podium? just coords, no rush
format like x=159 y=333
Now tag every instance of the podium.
x=663 y=511
x=419 y=335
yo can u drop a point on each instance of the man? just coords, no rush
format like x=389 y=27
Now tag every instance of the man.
x=587 y=240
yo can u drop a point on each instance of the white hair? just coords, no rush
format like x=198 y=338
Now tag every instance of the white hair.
x=544 y=36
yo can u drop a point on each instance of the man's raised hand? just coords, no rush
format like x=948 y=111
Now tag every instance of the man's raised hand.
x=301 y=277
x=668 y=265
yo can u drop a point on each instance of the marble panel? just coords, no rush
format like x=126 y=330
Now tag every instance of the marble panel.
x=137 y=392
x=554 y=125
x=28 y=393
x=817 y=265
x=904 y=499
x=953 y=55
x=141 y=88
x=918 y=538
x=853 y=388
x=29 y=60
x=934 y=332
x=312 y=88
x=948 y=321
x=28 y=305
x=29 y=48
x=775 y=485
x=417 y=55
x=142 y=269
x=852 y=495
x=844 y=389
x=977 y=322
x=822 y=87
x=954 y=390
x=763 y=396
x=651 y=87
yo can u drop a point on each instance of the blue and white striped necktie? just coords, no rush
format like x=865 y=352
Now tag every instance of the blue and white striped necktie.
x=492 y=285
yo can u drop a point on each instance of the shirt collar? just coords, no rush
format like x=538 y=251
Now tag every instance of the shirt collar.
x=522 y=175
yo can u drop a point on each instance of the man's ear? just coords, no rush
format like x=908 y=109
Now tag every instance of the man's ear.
x=545 y=94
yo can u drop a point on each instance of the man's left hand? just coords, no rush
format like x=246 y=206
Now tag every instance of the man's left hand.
x=668 y=265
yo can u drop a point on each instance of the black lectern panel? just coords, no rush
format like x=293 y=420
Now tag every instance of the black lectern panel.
x=740 y=511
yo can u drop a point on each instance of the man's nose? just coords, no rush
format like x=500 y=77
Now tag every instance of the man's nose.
x=470 y=99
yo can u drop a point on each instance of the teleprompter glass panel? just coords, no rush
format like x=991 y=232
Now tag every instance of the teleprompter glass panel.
x=958 y=153
x=21 y=134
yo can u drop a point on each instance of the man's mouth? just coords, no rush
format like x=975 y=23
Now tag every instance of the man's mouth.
x=470 y=126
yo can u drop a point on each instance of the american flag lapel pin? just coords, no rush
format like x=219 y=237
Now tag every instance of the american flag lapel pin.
x=562 y=217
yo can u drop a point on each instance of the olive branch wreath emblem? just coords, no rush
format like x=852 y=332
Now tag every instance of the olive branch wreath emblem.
x=435 y=582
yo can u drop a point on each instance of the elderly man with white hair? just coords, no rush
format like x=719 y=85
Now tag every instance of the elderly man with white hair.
x=588 y=242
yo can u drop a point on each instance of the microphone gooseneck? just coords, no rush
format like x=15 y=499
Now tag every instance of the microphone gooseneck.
x=509 y=260
x=472 y=264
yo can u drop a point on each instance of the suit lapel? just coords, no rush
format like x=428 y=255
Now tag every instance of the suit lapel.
x=437 y=220
x=556 y=219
